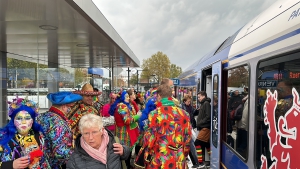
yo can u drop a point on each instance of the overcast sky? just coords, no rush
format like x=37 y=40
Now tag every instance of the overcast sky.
x=184 y=30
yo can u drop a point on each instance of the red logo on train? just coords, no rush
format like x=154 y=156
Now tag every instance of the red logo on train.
x=284 y=142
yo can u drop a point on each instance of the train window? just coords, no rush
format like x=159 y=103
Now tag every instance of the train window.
x=215 y=111
x=278 y=82
x=237 y=109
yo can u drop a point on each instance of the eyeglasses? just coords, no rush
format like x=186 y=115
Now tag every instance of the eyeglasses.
x=94 y=133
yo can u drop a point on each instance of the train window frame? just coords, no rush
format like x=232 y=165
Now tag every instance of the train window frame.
x=218 y=103
x=244 y=159
x=277 y=59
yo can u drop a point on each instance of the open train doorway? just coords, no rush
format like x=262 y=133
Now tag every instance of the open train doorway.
x=207 y=81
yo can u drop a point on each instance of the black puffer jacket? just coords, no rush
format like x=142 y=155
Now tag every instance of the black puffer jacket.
x=80 y=159
x=203 y=119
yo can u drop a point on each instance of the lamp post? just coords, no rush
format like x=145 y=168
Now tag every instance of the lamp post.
x=137 y=84
x=128 y=76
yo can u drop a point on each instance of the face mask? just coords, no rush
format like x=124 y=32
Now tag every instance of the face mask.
x=23 y=122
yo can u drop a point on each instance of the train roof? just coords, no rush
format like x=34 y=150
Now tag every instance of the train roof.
x=218 y=53
x=254 y=39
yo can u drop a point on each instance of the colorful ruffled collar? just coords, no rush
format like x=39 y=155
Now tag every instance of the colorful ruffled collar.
x=165 y=102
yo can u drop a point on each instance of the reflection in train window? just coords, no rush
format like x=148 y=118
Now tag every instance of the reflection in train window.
x=276 y=81
x=237 y=109
x=215 y=111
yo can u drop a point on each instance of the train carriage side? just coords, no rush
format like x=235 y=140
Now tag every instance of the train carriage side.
x=257 y=68
x=263 y=75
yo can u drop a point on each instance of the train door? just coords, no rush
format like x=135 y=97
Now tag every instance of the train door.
x=208 y=88
x=215 y=118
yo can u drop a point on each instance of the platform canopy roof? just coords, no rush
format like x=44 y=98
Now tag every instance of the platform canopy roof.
x=73 y=33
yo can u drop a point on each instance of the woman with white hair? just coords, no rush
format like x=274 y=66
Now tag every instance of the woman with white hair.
x=96 y=147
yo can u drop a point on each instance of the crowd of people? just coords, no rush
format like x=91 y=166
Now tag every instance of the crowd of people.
x=130 y=131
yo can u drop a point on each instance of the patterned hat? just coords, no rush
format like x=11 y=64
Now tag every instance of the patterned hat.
x=87 y=89
x=18 y=102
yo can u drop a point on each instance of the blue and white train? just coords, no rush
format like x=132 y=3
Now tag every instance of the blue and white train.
x=262 y=58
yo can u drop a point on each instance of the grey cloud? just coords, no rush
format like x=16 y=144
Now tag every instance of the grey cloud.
x=185 y=30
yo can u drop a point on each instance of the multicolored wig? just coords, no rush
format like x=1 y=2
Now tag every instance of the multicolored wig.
x=17 y=105
x=120 y=99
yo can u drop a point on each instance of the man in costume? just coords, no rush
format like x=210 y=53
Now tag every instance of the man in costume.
x=170 y=83
x=85 y=106
x=166 y=142
x=55 y=125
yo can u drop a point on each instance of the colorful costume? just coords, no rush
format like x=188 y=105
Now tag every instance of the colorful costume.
x=16 y=143
x=126 y=121
x=150 y=106
x=56 y=127
x=18 y=146
x=79 y=110
x=82 y=108
x=167 y=139
x=59 y=137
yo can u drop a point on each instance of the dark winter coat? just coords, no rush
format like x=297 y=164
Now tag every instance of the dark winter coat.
x=234 y=102
x=80 y=159
x=190 y=109
x=203 y=119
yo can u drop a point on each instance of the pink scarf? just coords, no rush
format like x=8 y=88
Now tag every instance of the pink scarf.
x=99 y=154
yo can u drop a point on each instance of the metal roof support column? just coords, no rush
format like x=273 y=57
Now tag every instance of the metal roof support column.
x=112 y=73
x=3 y=89
x=3 y=68
x=52 y=39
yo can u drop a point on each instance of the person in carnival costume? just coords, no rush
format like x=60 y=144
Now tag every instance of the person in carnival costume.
x=55 y=124
x=150 y=106
x=126 y=121
x=140 y=101
x=85 y=106
x=170 y=83
x=22 y=140
x=166 y=142
x=132 y=98
x=105 y=112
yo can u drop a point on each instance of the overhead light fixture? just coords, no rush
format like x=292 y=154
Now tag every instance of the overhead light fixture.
x=82 y=45
x=48 y=27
